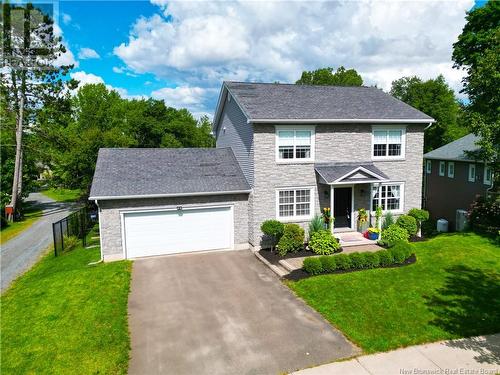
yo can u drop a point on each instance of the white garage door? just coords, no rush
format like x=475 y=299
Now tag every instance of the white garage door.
x=168 y=232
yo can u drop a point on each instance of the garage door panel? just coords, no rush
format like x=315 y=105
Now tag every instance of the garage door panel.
x=168 y=232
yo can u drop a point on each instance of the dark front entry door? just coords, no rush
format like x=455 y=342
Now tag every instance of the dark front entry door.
x=342 y=207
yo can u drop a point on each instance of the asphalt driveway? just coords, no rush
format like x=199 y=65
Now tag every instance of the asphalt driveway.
x=223 y=313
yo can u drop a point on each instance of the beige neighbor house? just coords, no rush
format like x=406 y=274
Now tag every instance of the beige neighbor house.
x=283 y=152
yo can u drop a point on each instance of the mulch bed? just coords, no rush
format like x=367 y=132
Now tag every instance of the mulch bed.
x=274 y=257
x=301 y=274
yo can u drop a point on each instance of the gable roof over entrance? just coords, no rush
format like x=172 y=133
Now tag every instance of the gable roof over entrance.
x=354 y=173
x=161 y=172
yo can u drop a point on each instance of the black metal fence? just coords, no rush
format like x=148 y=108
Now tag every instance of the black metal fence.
x=69 y=231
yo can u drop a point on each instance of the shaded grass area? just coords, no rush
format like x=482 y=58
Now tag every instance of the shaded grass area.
x=63 y=195
x=66 y=317
x=31 y=215
x=450 y=292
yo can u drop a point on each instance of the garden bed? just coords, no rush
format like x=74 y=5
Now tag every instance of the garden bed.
x=274 y=257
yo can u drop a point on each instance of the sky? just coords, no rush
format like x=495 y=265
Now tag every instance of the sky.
x=182 y=51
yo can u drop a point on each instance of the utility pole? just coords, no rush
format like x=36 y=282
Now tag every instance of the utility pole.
x=17 y=166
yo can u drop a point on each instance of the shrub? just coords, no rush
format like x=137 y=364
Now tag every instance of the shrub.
x=418 y=214
x=313 y=265
x=70 y=242
x=316 y=225
x=393 y=234
x=273 y=229
x=484 y=216
x=292 y=239
x=358 y=260
x=400 y=252
x=343 y=262
x=409 y=223
x=328 y=262
x=388 y=220
x=372 y=260
x=385 y=258
x=323 y=243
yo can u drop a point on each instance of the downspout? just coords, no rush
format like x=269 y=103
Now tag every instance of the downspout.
x=100 y=238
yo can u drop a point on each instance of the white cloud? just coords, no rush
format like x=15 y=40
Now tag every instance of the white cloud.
x=66 y=58
x=85 y=78
x=118 y=70
x=200 y=43
x=88 y=53
x=66 y=18
x=192 y=98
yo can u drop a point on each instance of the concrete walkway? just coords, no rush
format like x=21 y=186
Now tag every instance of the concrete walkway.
x=20 y=253
x=476 y=355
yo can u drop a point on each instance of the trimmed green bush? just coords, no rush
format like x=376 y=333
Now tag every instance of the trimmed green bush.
x=316 y=225
x=409 y=223
x=292 y=239
x=385 y=258
x=400 y=252
x=273 y=229
x=323 y=243
x=343 y=262
x=329 y=263
x=372 y=260
x=313 y=265
x=393 y=234
x=358 y=260
x=418 y=214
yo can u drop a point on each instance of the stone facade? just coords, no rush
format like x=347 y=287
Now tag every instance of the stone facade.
x=110 y=220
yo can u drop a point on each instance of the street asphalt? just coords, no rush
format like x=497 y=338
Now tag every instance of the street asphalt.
x=20 y=253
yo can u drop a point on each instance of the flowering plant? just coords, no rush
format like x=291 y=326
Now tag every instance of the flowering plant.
x=327 y=215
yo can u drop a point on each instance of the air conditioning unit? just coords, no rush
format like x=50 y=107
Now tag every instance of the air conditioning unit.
x=461 y=221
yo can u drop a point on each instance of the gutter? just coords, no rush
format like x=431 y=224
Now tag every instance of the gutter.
x=115 y=197
x=340 y=121
x=100 y=237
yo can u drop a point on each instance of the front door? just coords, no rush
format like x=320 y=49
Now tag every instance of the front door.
x=342 y=207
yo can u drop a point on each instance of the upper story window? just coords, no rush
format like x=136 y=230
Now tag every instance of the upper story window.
x=428 y=166
x=472 y=172
x=388 y=143
x=487 y=178
x=451 y=169
x=442 y=168
x=294 y=144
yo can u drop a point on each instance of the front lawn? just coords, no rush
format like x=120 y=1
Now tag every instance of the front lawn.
x=31 y=214
x=451 y=291
x=63 y=195
x=66 y=317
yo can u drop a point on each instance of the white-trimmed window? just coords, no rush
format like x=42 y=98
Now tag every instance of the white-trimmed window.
x=451 y=169
x=388 y=142
x=472 y=172
x=442 y=168
x=294 y=144
x=294 y=203
x=388 y=196
x=487 y=178
x=428 y=166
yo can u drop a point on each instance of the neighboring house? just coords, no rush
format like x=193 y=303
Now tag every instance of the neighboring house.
x=453 y=179
x=283 y=152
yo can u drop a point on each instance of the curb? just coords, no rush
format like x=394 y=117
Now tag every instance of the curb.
x=287 y=265
x=275 y=269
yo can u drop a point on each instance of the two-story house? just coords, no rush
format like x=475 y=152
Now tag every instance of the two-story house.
x=283 y=152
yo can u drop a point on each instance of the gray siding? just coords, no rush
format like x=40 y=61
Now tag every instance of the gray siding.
x=235 y=132
x=109 y=216
x=333 y=143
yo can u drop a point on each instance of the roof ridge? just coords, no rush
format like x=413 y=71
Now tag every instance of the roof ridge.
x=298 y=85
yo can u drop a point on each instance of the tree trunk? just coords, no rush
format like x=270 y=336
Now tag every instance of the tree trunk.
x=17 y=165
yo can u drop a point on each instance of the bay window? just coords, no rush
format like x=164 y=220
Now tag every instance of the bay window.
x=387 y=196
x=294 y=203
x=294 y=144
x=388 y=143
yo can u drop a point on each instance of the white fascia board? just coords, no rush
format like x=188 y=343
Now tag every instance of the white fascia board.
x=340 y=121
x=115 y=197
x=360 y=168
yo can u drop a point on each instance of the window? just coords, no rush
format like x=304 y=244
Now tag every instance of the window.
x=295 y=144
x=294 y=203
x=472 y=172
x=428 y=166
x=388 y=143
x=487 y=175
x=451 y=169
x=388 y=196
x=442 y=168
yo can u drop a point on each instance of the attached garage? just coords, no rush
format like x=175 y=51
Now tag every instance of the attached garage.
x=168 y=201
x=148 y=233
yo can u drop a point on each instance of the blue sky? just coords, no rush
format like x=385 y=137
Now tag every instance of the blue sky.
x=182 y=51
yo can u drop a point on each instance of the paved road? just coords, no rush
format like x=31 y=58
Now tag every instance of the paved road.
x=20 y=253
x=223 y=313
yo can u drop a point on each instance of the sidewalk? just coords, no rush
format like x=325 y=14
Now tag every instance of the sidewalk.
x=476 y=355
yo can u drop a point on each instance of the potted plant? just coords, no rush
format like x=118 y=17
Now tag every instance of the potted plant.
x=362 y=220
x=373 y=233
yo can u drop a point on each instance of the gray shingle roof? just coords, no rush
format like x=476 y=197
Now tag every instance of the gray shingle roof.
x=332 y=172
x=455 y=150
x=125 y=172
x=300 y=102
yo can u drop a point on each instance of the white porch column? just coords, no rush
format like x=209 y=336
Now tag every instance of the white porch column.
x=331 y=208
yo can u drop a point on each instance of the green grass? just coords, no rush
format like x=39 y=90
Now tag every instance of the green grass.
x=63 y=195
x=31 y=215
x=66 y=317
x=450 y=292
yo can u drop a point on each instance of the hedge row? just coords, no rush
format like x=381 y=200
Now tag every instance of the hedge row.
x=397 y=254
